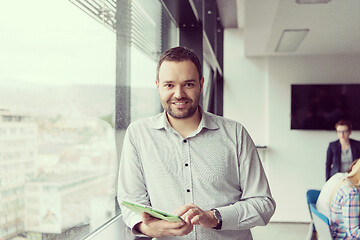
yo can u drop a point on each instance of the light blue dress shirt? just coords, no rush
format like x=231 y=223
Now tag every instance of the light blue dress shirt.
x=217 y=166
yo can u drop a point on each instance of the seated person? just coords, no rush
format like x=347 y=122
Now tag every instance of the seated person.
x=323 y=202
x=345 y=206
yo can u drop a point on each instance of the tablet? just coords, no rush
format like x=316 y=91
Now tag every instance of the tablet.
x=140 y=208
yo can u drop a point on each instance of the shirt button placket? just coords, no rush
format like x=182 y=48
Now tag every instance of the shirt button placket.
x=187 y=171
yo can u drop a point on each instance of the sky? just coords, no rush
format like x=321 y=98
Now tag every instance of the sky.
x=53 y=43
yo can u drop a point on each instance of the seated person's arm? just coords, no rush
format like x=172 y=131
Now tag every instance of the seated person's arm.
x=351 y=213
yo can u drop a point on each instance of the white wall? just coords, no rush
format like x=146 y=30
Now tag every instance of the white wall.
x=245 y=87
x=257 y=94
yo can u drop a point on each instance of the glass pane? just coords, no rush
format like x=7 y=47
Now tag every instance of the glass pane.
x=57 y=101
x=207 y=73
x=146 y=26
x=145 y=100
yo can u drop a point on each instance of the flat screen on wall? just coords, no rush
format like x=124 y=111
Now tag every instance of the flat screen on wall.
x=320 y=106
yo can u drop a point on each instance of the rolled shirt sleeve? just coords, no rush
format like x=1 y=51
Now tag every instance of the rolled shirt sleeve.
x=256 y=206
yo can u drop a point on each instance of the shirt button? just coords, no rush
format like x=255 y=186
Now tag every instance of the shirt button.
x=188 y=190
x=185 y=141
x=186 y=164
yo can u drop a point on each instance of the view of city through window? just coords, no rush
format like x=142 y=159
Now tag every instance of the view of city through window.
x=57 y=103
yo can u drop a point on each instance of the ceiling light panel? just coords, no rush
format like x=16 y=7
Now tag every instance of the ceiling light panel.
x=312 y=1
x=290 y=40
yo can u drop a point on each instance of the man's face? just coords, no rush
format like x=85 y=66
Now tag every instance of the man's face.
x=179 y=88
x=343 y=132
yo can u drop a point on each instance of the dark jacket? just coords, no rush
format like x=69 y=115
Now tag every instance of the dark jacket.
x=333 y=156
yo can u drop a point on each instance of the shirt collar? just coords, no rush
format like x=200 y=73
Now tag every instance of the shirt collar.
x=161 y=121
x=206 y=120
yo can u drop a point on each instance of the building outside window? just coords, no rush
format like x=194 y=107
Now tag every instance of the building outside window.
x=57 y=98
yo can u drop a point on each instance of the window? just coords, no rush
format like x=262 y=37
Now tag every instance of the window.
x=57 y=101
x=57 y=110
x=151 y=31
x=145 y=101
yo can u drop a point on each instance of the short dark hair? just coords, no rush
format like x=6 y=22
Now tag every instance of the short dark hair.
x=178 y=54
x=344 y=123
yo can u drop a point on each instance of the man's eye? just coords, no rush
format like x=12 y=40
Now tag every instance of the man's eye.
x=189 y=84
x=168 y=85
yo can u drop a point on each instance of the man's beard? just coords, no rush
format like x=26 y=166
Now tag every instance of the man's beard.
x=179 y=114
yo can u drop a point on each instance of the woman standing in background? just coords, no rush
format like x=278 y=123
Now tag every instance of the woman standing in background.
x=343 y=152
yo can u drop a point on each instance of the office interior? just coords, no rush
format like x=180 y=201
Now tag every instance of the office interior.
x=105 y=80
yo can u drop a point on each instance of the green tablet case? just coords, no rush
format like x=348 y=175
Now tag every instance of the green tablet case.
x=139 y=209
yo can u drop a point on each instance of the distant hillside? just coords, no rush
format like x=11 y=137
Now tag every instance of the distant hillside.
x=92 y=100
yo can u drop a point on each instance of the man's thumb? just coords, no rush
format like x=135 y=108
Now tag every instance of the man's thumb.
x=146 y=218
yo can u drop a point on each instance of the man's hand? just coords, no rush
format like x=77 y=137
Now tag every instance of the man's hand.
x=154 y=227
x=197 y=216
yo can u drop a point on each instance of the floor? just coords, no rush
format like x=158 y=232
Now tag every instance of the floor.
x=281 y=231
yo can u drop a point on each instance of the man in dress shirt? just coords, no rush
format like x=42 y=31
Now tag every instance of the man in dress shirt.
x=200 y=166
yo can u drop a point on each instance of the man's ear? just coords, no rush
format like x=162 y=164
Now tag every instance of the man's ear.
x=157 y=84
x=201 y=84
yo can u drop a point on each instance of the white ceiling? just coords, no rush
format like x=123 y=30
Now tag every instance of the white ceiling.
x=334 y=27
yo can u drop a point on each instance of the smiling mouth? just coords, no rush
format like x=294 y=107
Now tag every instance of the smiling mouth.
x=179 y=102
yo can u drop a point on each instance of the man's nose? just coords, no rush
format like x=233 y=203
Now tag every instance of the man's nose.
x=179 y=92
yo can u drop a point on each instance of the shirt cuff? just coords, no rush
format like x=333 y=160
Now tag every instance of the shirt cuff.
x=135 y=220
x=229 y=217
